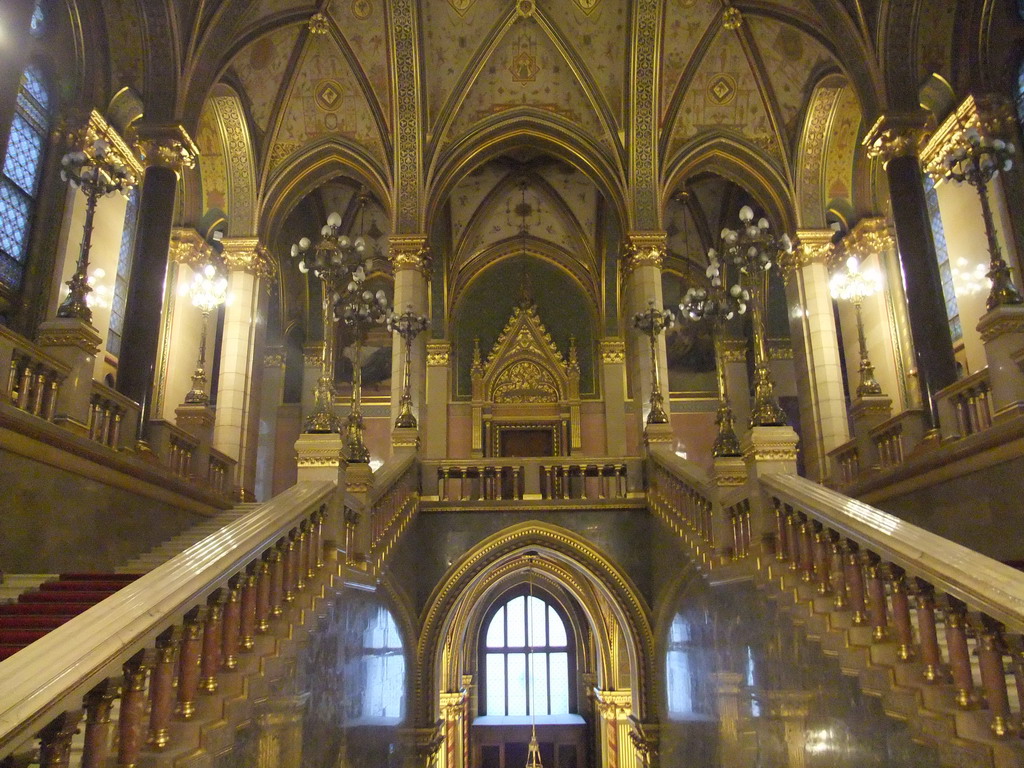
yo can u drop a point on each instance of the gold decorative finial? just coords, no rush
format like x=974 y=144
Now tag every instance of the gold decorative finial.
x=318 y=24
x=732 y=19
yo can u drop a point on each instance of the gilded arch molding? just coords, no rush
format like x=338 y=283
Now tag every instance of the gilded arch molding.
x=732 y=159
x=538 y=129
x=557 y=545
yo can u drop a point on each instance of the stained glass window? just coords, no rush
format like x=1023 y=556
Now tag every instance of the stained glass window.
x=942 y=255
x=38 y=24
x=19 y=180
x=526 y=660
x=124 y=271
x=1020 y=91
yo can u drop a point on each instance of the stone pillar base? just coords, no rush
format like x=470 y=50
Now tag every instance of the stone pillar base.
x=319 y=456
x=766 y=451
x=405 y=440
x=727 y=473
x=357 y=480
x=1002 y=331
x=197 y=420
x=866 y=413
x=75 y=343
x=658 y=433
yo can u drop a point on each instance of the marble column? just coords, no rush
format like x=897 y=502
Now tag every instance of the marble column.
x=410 y=262
x=166 y=150
x=641 y=276
x=271 y=397
x=895 y=139
x=236 y=430
x=435 y=426
x=819 y=375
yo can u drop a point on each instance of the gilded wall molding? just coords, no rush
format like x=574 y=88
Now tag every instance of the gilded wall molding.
x=897 y=135
x=814 y=246
x=991 y=114
x=409 y=252
x=405 y=83
x=643 y=249
x=643 y=146
x=248 y=254
x=240 y=163
x=166 y=145
x=95 y=128
x=274 y=358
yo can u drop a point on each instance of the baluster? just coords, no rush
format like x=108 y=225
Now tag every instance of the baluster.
x=302 y=556
x=290 y=562
x=133 y=707
x=782 y=552
x=877 y=608
x=264 y=580
x=115 y=432
x=277 y=560
x=806 y=552
x=232 y=624
x=841 y=601
x=931 y=656
x=318 y=528
x=901 y=613
x=247 y=619
x=12 y=379
x=793 y=537
x=55 y=740
x=213 y=639
x=161 y=693
x=959 y=654
x=38 y=392
x=855 y=585
x=98 y=703
x=188 y=666
x=51 y=400
x=823 y=560
x=993 y=675
x=25 y=387
x=1017 y=650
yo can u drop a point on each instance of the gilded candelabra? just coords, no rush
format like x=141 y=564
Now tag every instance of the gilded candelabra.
x=754 y=250
x=97 y=174
x=408 y=325
x=341 y=264
x=208 y=291
x=975 y=162
x=854 y=285
x=717 y=306
x=651 y=323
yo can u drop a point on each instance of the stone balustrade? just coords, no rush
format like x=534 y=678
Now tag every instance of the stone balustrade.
x=155 y=648
x=965 y=407
x=508 y=479
x=34 y=377
x=109 y=412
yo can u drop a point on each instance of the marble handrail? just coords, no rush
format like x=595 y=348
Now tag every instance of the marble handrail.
x=980 y=582
x=51 y=676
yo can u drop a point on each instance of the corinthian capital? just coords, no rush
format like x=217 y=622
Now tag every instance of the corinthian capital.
x=898 y=135
x=409 y=252
x=643 y=249
x=248 y=254
x=166 y=145
x=189 y=247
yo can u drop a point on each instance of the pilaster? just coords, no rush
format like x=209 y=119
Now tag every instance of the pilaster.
x=613 y=385
x=1002 y=332
x=435 y=427
x=411 y=264
x=766 y=451
x=357 y=480
x=819 y=375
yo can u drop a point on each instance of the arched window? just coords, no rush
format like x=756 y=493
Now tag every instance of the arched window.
x=381 y=669
x=124 y=271
x=540 y=673
x=38 y=24
x=1020 y=91
x=931 y=196
x=19 y=181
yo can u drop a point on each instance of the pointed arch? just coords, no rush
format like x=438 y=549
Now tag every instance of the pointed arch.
x=539 y=130
x=732 y=158
x=606 y=598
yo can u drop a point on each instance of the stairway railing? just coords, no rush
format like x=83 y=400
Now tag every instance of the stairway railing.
x=185 y=619
x=945 y=621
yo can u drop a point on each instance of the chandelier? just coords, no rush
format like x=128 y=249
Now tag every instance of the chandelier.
x=342 y=265
x=208 y=291
x=854 y=284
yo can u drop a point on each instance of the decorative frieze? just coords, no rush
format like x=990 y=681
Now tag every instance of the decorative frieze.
x=166 y=145
x=613 y=350
x=869 y=237
x=188 y=247
x=897 y=135
x=992 y=115
x=438 y=353
x=248 y=254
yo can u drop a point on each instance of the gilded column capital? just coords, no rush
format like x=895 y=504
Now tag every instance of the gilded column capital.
x=814 y=246
x=438 y=353
x=82 y=133
x=274 y=357
x=313 y=354
x=409 y=252
x=898 y=134
x=869 y=236
x=643 y=249
x=613 y=350
x=614 y=704
x=992 y=115
x=166 y=145
x=189 y=247
x=646 y=737
x=248 y=254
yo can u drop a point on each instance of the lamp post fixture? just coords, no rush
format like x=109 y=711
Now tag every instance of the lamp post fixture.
x=651 y=323
x=408 y=325
x=97 y=175
x=753 y=249
x=341 y=264
x=976 y=161
x=854 y=285
x=717 y=306
x=208 y=291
